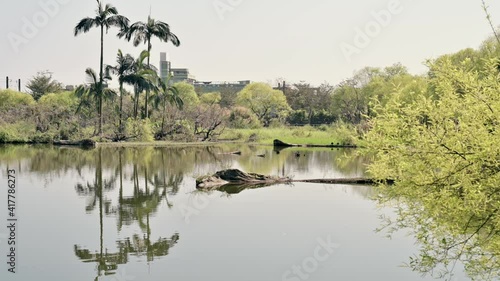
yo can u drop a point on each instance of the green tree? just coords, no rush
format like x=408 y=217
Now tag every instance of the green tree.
x=210 y=98
x=187 y=94
x=106 y=17
x=443 y=151
x=143 y=32
x=264 y=101
x=42 y=83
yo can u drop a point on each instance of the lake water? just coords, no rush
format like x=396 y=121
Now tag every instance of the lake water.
x=128 y=214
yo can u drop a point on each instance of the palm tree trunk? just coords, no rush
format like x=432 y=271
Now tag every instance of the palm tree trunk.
x=121 y=108
x=101 y=65
x=147 y=90
x=163 y=118
x=136 y=101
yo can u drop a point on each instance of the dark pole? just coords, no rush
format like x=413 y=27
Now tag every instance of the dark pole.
x=19 y=85
x=7 y=82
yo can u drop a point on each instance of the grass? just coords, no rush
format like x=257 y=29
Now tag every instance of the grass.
x=322 y=135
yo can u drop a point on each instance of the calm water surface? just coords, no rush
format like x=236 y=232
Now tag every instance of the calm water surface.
x=128 y=214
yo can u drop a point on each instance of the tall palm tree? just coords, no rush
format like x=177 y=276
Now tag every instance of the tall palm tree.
x=94 y=91
x=124 y=68
x=106 y=17
x=144 y=32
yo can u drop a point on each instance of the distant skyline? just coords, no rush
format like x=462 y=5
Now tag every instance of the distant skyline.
x=314 y=41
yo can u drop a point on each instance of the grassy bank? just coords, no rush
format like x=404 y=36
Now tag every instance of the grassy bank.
x=23 y=132
x=298 y=135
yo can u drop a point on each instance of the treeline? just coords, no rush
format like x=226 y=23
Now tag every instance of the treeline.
x=438 y=136
x=144 y=107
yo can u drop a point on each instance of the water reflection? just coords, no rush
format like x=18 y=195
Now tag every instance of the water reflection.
x=132 y=185
x=143 y=203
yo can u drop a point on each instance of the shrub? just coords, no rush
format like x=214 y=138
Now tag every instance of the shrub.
x=243 y=118
x=10 y=98
x=139 y=130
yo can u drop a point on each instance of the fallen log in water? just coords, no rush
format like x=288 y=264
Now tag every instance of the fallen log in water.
x=235 y=177
x=278 y=143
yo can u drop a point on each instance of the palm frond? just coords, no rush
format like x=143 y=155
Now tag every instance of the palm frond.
x=91 y=76
x=110 y=10
x=85 y=25
x=144 y=31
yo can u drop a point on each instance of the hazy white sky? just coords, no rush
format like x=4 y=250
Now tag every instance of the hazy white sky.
x=258 y=40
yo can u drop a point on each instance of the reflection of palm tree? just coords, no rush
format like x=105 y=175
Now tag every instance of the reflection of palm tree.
x=106 y=262
x=141 y=205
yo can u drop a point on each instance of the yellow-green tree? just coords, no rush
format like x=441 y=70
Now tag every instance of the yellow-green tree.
x=443 y=150
x=264 y=101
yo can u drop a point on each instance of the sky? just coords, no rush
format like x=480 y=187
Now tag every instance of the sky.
x=314 y=41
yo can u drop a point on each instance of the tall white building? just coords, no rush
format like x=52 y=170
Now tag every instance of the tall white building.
x=165 y=66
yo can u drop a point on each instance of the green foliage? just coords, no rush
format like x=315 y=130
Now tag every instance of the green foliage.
x=11 y=98
x=210 y=98
x=187 y=94
x=264 y=101
x=66 y=99
x=443 y=151
x=344 y=133
x=242 y=118
x=298 y=135
x=139 y=130
x=20 y=132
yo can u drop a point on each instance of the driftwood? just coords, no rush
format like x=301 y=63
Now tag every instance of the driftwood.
x=278 y=143
x=235 y=179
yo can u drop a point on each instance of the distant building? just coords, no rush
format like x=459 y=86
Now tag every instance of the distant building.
x=183 y=75
x=213 y=86
x=165 y=66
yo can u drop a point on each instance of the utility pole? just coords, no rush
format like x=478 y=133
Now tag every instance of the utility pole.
x=6 y=82
x=19 y=84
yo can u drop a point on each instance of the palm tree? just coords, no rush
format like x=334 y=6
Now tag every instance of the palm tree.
x=94 y=91
x=124 y=68
x=143 y=78
x=106 y=17
x=144 y=32
x=166 y=95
